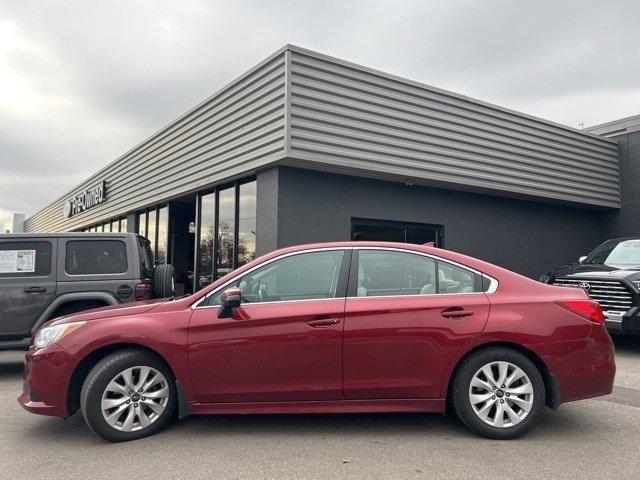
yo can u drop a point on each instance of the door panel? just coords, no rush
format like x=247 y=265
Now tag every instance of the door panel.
x=280 y=351
x=399 y=347
x=24 y=296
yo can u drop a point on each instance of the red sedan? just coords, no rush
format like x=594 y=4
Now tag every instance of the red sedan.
x=335 y=327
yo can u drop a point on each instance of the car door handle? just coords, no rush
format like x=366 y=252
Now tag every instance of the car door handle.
x=35 y=290
x=456 y=312
x=323 y=322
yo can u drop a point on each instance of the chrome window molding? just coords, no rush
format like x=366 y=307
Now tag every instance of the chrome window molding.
x=493 y=285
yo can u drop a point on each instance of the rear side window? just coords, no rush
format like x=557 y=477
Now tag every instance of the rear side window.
x=96 y=257
x=391 y=273
x=25 y=259
x=145 y=256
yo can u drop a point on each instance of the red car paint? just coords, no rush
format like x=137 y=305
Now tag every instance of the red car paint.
x=334 y=355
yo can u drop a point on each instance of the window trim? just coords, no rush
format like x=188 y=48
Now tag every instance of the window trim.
x=126 y=251
x=493 y=286
x=290 y=254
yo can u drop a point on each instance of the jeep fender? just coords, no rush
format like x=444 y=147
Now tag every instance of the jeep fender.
x=72 y=297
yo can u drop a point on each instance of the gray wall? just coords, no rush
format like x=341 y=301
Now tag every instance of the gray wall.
x=527 y=237
x=306 y=109
x=349 y=118
x=233 y=133
x=625 y=222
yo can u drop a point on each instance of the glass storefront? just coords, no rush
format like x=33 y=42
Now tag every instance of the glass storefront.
x=154 y=224
x=226 y=230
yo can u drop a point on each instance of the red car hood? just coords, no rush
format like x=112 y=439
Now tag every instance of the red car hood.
x=109 y=312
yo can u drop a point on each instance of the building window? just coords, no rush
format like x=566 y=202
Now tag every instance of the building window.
x=226 y=231
x=123 y=224
x=142 y=224
x=154 y=225
x=207 y=229
x=246 y=223
x=163 y=235
x=391 y=231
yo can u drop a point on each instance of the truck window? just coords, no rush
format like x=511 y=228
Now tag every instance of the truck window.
x=25 y=259
x=96 y=257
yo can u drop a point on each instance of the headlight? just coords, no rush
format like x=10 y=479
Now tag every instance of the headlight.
x=544 y=279
x=48 y=335
x=636 y=283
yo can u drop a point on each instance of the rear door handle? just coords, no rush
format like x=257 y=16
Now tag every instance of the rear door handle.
x=323 y=322
x=456 y=312
x=35 y=290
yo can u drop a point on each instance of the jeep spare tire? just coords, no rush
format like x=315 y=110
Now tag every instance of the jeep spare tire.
x=163 y=281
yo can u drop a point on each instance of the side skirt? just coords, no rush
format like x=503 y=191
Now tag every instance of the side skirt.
x=333 y=406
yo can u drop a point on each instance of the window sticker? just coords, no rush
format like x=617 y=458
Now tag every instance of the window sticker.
x=17 y=261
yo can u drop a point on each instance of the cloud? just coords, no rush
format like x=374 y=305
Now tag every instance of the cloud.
x=82 y=82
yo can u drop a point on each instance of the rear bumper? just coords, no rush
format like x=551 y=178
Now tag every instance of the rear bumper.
x=45 y=380
x=587 y=369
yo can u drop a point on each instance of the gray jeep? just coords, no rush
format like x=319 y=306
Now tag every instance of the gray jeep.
x=43 y=276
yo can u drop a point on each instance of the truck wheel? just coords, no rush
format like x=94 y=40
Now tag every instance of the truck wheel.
x=164 y=281
x=129 y=394
x=498 y=393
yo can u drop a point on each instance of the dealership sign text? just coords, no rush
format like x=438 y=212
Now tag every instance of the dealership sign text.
x=85 y=200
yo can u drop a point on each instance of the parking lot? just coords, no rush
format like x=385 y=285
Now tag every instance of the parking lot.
x=589 y=439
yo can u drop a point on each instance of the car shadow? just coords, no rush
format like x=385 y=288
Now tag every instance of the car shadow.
x=626 y=343
x=10 y=369
x=564 y=425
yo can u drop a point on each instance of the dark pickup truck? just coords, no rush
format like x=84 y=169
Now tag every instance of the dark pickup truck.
x=610 y=274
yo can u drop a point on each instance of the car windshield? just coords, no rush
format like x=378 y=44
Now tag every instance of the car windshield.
x=618 y=254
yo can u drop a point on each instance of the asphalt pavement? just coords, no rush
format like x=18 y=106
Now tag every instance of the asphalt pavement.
x=589 y=439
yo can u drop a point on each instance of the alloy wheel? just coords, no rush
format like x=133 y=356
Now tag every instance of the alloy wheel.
x=501 y=394
x=135 y=398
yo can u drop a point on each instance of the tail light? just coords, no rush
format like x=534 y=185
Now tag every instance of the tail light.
x=588 y=309
x=143 y=292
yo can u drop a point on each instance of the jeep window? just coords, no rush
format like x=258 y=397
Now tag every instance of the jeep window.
x=144 y=255
x=616 y=253
x=25 y=259
x=96 y=257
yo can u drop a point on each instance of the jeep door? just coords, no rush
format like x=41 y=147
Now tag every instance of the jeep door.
x=27 y=283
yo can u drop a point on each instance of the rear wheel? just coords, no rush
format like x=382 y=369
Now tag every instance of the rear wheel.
x=498 y=393
x=129 y=394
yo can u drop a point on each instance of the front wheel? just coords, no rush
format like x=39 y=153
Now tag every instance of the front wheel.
x=129 y=394
x=498 y=393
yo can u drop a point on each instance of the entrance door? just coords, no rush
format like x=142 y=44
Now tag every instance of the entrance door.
x=389 y=231
x=284 y=342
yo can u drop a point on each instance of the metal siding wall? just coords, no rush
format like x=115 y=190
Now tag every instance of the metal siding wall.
x=355 y=120
x=236 y=131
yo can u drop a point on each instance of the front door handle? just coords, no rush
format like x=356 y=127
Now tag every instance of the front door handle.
x=35 y=290
x=456 y=312
x=323 y=322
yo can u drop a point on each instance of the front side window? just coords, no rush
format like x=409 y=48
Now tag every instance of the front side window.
x=86 y=257
x=305 y=276
x=25 y=259
x=390 y=273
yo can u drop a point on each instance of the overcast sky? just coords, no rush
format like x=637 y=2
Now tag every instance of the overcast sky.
x=81 y=81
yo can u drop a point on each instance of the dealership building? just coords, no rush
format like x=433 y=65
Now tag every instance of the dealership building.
x=305 y=148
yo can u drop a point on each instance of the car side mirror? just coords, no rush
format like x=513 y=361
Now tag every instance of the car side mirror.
x=582 y=259
x=230 y=299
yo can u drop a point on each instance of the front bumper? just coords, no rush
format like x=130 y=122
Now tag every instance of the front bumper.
x=628 y=322
x=45 y=381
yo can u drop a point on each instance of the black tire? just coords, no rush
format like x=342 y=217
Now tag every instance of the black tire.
x=96 y=382
x=462 y=384
x=164 y=281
